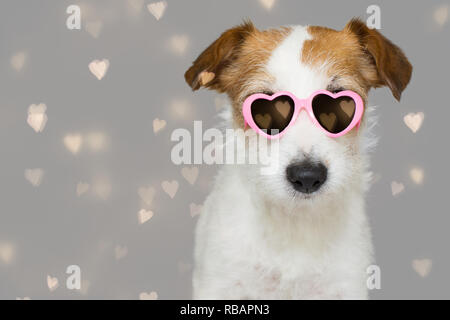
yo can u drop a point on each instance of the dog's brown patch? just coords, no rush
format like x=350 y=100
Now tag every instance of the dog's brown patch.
x=220 y=54
x=358 y=57
x=341 y=53
x=394 y=69
x=248 y=75
x=237 y=59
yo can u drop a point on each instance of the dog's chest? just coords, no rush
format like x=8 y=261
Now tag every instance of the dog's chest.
x=268 y=282
x=260 y=271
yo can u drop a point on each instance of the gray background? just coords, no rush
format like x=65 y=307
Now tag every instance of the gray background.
x=49 y=227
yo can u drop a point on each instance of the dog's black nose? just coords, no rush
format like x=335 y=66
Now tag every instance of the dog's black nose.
x=306 y=176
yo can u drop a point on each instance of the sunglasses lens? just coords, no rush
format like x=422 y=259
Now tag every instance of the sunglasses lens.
x=334 y=115
x=273 y=116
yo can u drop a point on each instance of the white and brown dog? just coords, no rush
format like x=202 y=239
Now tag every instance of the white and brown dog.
x=260 y=236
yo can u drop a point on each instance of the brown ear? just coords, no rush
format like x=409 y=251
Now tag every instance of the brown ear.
x=394 y=69
x=206 y=69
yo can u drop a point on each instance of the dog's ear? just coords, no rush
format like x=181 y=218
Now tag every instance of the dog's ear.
x=394 y=69
x=207 y=68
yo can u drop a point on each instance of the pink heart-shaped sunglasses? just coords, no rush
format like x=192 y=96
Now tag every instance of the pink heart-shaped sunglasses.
x=335 y=113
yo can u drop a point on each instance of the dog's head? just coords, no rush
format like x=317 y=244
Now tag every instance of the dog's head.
x=301 y=60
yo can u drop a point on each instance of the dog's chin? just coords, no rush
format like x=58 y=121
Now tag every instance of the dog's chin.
x=307 y=199
x=293 y=201
x=313 y=200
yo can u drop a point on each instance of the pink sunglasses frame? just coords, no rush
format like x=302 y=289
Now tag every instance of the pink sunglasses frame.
x=306 y=104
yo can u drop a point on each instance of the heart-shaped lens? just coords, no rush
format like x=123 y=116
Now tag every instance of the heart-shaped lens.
x=333 y=114
x=273 y=116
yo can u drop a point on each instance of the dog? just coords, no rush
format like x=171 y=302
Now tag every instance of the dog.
x=300 y=232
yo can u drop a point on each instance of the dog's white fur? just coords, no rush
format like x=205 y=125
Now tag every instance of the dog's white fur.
x=259 y=239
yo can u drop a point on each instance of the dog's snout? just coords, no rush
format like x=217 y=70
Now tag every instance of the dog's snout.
x=306 y=177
